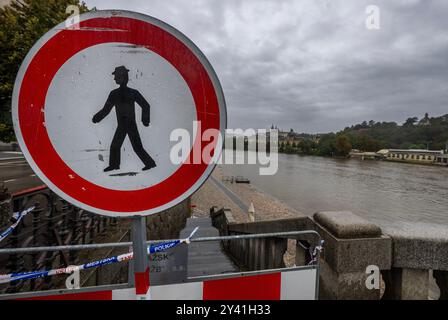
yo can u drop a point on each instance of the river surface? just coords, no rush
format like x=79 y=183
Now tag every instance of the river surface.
x=383 y=192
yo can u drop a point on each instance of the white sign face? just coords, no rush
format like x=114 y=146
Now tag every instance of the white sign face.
x=95 y=104
x=86 y=147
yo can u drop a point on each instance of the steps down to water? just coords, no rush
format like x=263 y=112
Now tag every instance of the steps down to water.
x=206 y=258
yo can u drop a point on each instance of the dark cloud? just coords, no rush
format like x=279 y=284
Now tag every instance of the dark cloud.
x=312 y=65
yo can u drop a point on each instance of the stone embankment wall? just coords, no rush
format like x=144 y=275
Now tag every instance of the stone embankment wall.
x=359 y=260
x=351 y=244
x=169 y=223
x=260 y=253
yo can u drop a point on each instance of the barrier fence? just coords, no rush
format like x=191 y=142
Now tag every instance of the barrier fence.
x=152 y=248
x=47 y=220
x=297 y=282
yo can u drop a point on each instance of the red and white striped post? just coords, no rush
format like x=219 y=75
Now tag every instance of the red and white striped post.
x=141 y=266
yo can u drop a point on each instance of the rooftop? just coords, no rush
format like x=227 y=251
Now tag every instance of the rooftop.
x=417 y=151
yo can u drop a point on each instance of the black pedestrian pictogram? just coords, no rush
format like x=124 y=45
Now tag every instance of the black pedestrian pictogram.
x=124 y=99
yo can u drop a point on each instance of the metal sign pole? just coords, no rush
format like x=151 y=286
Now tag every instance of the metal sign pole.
x=141 y=268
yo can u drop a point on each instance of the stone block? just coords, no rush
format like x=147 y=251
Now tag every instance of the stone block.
x=419 y=245
x=344 y=261
x=406 y=284
x=346 y=225
x=280 y=225
x=354 y=255
x=344 y=286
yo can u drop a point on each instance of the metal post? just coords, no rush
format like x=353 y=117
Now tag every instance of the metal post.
x=141 y=268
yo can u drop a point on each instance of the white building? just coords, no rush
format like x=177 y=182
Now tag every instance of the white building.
x=413 y=155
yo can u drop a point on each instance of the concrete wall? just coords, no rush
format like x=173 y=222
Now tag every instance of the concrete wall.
x=169 y=223
x=262 y=253
x=351 y=245
x=418 y=249
x=359 y=260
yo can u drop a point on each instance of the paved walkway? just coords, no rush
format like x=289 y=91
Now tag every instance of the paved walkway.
x=237 y=197
x=230 y=194
x=205 y=258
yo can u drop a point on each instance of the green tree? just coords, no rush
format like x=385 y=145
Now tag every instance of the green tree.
x=281 y=147
x=326 y=145
x=379 y=135
x=305 y=146
x=342 y=145
x=22 y=23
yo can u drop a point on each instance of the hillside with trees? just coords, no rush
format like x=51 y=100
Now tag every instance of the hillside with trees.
x=428 y=132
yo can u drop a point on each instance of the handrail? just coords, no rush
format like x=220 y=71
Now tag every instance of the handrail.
x=127 y=244
x=28 y=191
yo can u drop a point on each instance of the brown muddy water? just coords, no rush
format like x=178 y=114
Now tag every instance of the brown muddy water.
x=386 y=193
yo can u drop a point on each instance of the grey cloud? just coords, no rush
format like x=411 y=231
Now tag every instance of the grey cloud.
x=312 y=65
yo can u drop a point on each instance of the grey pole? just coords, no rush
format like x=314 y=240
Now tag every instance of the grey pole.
x=139 y=248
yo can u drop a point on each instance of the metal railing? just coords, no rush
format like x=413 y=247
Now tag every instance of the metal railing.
x=290 y=235
x=149 y=242
x=53 y=221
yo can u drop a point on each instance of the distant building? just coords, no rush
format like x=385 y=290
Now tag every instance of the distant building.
x=425 y=121
x=282 y=135
x=383 y=152
x=356 y=154
x=442 y=160
x=413 y=155
x=288 y=137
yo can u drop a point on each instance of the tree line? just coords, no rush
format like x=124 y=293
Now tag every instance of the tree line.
x=427 y=133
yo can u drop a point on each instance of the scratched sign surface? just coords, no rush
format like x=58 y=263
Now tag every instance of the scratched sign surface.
x=96 y=104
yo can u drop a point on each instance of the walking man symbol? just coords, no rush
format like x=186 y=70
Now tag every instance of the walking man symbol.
x=124 y=99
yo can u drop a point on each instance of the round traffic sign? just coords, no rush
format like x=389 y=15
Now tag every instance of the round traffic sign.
x=97 y=108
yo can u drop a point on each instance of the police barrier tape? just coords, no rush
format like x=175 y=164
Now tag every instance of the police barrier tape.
x=18 y=216
x=314 y=253
x=153 y=248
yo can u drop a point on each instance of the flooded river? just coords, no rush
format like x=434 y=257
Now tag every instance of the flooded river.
x=383 y=192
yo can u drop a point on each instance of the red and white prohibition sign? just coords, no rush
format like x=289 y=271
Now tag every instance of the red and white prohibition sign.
x=145 y=80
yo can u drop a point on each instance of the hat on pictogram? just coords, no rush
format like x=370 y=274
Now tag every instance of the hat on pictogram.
x=120 y=69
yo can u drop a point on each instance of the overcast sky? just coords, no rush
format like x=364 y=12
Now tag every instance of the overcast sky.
x=312 y=65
